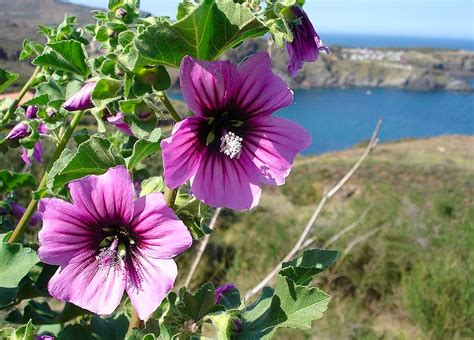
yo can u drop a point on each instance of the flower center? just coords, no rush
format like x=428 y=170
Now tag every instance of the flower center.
x=231 y=145
x=108 y=256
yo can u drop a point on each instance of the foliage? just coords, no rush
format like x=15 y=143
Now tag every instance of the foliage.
x=130 y=74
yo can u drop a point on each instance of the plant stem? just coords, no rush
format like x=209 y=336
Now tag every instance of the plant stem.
x=170 y=196
x=22 y=93
x=135 y=321
x=167 y=103
x=21 y=226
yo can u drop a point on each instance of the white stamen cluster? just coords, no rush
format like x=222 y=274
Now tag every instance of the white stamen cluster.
x=107 y=258
x=231 y=145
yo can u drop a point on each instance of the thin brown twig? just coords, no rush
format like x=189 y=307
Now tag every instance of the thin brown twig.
x=202 y=248
x=341 y=233
x=317 y=211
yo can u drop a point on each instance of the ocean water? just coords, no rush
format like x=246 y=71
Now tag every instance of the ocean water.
x=340 y=118
x=379 y=41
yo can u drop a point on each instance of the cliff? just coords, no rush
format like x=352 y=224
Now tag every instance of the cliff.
x=414 y=69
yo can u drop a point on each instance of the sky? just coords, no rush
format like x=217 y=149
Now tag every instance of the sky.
x=420 y=18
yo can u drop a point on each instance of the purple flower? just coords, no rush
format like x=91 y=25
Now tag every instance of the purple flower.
x=82 y=100
x=37 y=153
x=31 y=112
x=233 y=145
x=306 y=43
x=119 y=123
x=18 y=210
x=221 y=290
x=19 y=131
x=106 y=243
x=44 y=337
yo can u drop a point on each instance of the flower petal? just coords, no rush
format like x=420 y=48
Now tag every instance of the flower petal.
x=225 y=182
x=149 y=281
x=182 y=152
x=159 y=232
x=207 y=86
x=86 y=285
x=81 y=100
x=260 y=91
x=66 y=231
x=306 y=44
x=119 y=122
x=19 y=131
x=272 y=144
x=107 y=198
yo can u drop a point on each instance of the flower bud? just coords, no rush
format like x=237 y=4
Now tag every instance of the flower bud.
x=31 y=112
x=82 y=100
x=51 y=112
x=42 y=129
x=237 y=325
x=221 y=290
x=19 y=131
x=119 y=123
x=18 y=210
x=121 y=13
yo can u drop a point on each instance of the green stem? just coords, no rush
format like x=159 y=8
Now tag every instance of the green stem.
x=30 y=210
x=167 y=103
x=22 y=93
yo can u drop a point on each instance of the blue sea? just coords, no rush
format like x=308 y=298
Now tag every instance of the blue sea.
x=340 y=118
x=380 y=41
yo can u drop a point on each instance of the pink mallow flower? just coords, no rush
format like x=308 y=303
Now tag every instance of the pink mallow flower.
x=233 y=145
x=306 y=44
x=105 y=243
x=81 y=100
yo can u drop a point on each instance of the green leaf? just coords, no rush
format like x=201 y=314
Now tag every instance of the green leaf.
x=93 y=157
x=38 y=100
x=6 y=79
x=152 y=184
x=110 y=328
x=76 y=332
x=24 y=332
x=31 y=49
x=144 y=148
x=292 y=306
x=196 y=306
x=303 y=268
x=184 y=8
x=15 y=262
x=10 y=181
x=67 y=55
x=106 y=91
x=205 y=33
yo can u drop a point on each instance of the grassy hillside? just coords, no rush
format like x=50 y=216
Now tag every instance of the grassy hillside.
x=414 y=278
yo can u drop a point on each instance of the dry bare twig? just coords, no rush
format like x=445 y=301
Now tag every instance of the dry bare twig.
x=317 y=211
x=343 y=231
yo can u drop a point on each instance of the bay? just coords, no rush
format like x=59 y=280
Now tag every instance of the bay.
x=340 y=118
